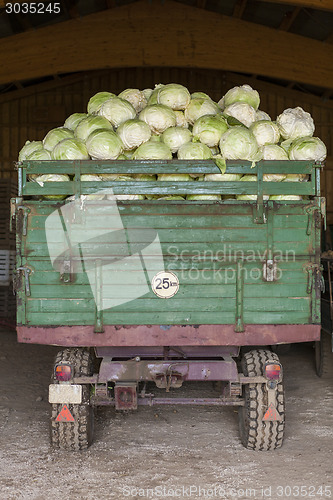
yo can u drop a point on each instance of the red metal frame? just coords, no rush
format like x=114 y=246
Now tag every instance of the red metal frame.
x=173 y=335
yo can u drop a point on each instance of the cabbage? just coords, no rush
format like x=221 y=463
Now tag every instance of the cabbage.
x=152 y=150
x=171 y=197
x=158 y=117
x=104 y=144
x=266 y=132
x=242 y=111
x=117 y=111
x=261 y=115
x=209 y=129
x=244 y=94
x=89 y=124
x=155 y=138
x=175 y=137
x=147 y=93
x=274 y=152
x=144 y=177
x=113 y=177
x=194 y=151
x=56 y=135
x=91 y=178
x=286 y=145
x=135 y=97
x=40 y=154
x=286 y=197
x=201 y=95
x=249 y=178
x=73 y=120
x=294 y=123
x=133 y=133
x=180 y=119
x=52 y=178
x=238 y=143
x=122 y=197
x=296 y=178
x=153 y=96
x=222 y=177
x=96 y=101
x=174 y=96
x=70 y=149
x=174 y=177
x=308 y=148
x=29 y=148
x=201 y=197
x=200 y=106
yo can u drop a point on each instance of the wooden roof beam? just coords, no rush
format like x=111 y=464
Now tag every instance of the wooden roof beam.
x=239 y=8
x=309 y=4
x=126 y=37
x=288 y=19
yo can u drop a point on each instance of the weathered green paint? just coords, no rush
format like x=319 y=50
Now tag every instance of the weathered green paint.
x=216 y=249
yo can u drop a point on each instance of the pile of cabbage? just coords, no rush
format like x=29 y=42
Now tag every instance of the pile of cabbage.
x=168 y=122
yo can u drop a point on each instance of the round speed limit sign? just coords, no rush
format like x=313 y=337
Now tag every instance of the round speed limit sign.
x=165 y=284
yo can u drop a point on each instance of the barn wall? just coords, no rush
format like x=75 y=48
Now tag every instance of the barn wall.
x=30 y=114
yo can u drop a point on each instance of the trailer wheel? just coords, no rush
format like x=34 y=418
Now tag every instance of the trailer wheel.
x=324 y=356
x=75 y=435
x=255 y=433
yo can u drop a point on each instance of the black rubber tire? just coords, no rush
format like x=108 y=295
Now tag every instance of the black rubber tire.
x=77 y=435
x=255 y=433
x=324 y=356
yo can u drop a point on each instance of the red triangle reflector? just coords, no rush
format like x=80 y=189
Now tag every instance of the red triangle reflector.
x=65 y=415
x=271 y=414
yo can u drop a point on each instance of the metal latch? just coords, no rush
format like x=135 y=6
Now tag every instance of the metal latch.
x=66 y=271
x=269 y=270
x=26 y=270
x=315 y=276
x=25 y=211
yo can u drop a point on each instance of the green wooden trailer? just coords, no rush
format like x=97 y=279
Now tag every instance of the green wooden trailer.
x=167 y=291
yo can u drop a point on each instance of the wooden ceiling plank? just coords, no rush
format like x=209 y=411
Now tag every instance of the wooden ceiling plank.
x=309 y=4
x=88 y=43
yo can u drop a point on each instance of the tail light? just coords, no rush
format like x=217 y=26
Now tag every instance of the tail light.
x=63 y=372
x=273 y=371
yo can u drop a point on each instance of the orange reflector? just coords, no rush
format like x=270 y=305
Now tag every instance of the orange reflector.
x=272 y=414
x=273 y=371
x=65 y=415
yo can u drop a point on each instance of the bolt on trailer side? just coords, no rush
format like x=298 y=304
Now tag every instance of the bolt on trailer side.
x=177 y=285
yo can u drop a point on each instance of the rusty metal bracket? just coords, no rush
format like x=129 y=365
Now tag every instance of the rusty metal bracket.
x=25 y=211
x=66 y=272
x=269 y=271
x=26 y=270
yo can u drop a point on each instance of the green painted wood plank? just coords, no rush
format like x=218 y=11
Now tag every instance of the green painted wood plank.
x=174 y=235
x=191 y=318
x=168 y=166
x=186 y=249
x=80 y=291
x=168 y=188
x=152 y=305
